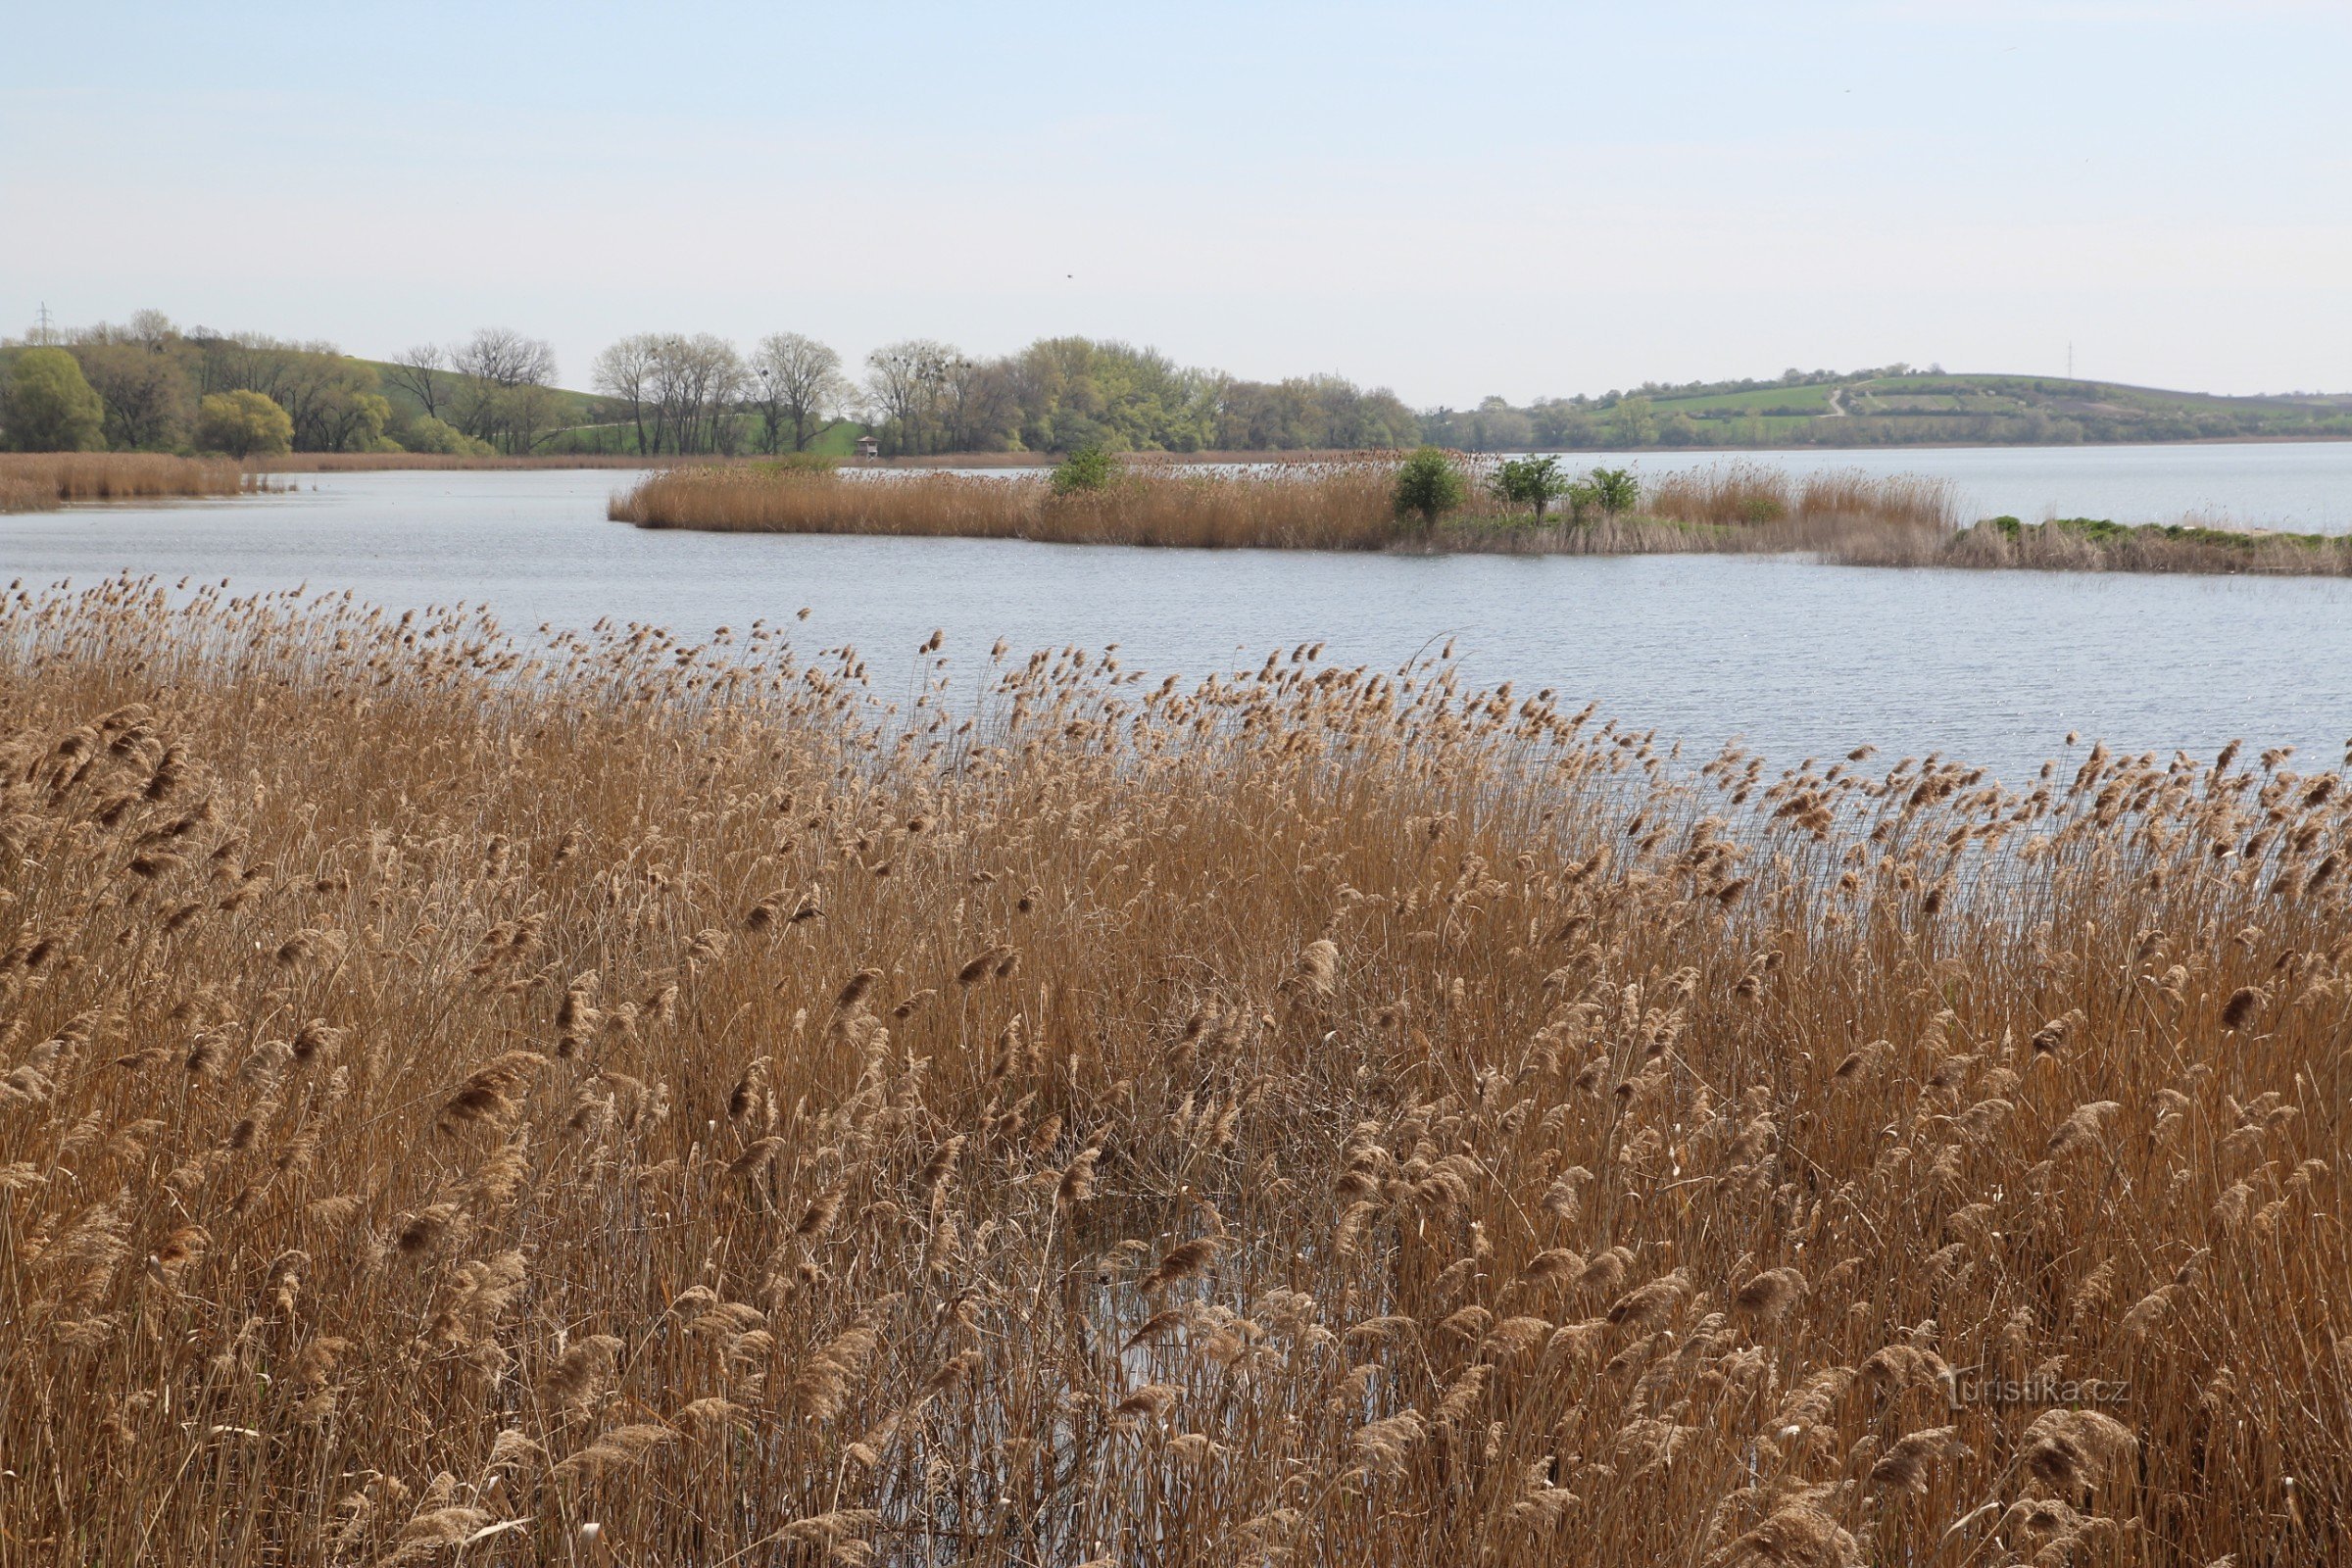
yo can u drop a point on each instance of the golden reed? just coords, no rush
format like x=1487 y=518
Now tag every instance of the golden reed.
x=625 y=1101
x=1344 y=504
x=43 y=482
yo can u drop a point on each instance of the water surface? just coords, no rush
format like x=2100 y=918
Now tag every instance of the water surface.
x=1798 y=659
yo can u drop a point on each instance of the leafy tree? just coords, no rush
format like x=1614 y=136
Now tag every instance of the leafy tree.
x=1529 y=482
x=244 y=423
x=144 y=389
x=1429 y=485
x=51 y=406
x=1089 y=469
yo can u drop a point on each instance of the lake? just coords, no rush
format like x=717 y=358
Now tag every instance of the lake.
x=1798 y=659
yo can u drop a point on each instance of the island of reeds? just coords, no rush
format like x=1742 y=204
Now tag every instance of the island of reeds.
x=619 y=1101
x=1433 y=501
x=44 y=482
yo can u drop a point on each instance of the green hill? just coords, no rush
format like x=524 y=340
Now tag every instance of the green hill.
x=1891 y=406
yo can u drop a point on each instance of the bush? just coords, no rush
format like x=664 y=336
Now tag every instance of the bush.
x=428 y=434
x=244 y=424
x=1612 y=490
x=1528 y=482
x=50 y=406
x=1429 y=485
x=1091 y=468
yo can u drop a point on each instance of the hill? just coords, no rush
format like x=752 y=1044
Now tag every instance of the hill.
x=1895 y=405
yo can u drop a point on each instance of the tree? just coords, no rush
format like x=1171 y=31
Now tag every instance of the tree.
x=244 y=423
x=1429 y=485
x=144 y=389
x=801 y=387
x=1529 y=482
x=905 y=378
x=501 y=386
x=424 y=374
x=51 y=406
x=625 y=371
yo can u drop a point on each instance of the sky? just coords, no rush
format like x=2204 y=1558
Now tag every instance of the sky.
x=1453 y=200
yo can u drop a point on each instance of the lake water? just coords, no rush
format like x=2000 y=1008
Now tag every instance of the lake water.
x=1797 y=658
x=2297 y=485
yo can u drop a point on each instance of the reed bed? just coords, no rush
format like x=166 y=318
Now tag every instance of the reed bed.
x=44 y=482
x=2094 y=545
x=377 y=461
x=1311 y=504
x=623 y=1101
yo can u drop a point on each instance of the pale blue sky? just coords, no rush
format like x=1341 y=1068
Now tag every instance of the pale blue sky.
x=1450 y=199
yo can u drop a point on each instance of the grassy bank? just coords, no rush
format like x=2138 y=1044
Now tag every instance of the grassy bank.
x=44 y=482
x=622 y=1108
x=1335 y=504
x=2091 y=544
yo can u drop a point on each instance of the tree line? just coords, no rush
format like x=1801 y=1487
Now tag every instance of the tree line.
x=149 y=385
x=676 y=393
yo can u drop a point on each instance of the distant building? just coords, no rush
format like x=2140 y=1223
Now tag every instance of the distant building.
x=868 y=447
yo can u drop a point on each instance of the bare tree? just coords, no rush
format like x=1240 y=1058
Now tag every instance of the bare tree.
x=505 y=357
x=800 y=383
x=501 y=389
x=906 y=378
x=625 y=371
x=424 y=374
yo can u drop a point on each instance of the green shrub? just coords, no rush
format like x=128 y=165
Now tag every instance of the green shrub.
x=1528 y=482
x=50 y=406
x=1429 y=485
x=1614 y=490
x=1091 y=468
x=428 y=434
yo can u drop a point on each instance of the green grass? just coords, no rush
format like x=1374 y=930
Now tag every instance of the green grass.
x=2107 y=531
x=1814 y=398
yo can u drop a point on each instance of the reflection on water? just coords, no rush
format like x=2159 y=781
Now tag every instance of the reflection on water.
x=1799 y=660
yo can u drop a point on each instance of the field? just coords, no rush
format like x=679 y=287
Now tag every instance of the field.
x=629 y=1102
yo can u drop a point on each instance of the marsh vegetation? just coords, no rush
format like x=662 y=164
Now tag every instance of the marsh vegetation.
x=1430 y=500
x=622 y=1100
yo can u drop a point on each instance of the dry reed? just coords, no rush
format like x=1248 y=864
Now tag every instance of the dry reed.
x=618 y=1101
x=1305 y=505
x=2097 y=545
x=376 y=461
x=44 y=482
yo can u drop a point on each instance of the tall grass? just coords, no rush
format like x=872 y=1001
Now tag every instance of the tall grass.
x=43 y=482
x=620 y=1103
x=378 y=461
x=1337 y=504
x=2094 y=545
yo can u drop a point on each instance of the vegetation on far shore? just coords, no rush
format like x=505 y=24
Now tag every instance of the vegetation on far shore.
x=616 y=1104
x=1433 y=501
x=150 y=386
